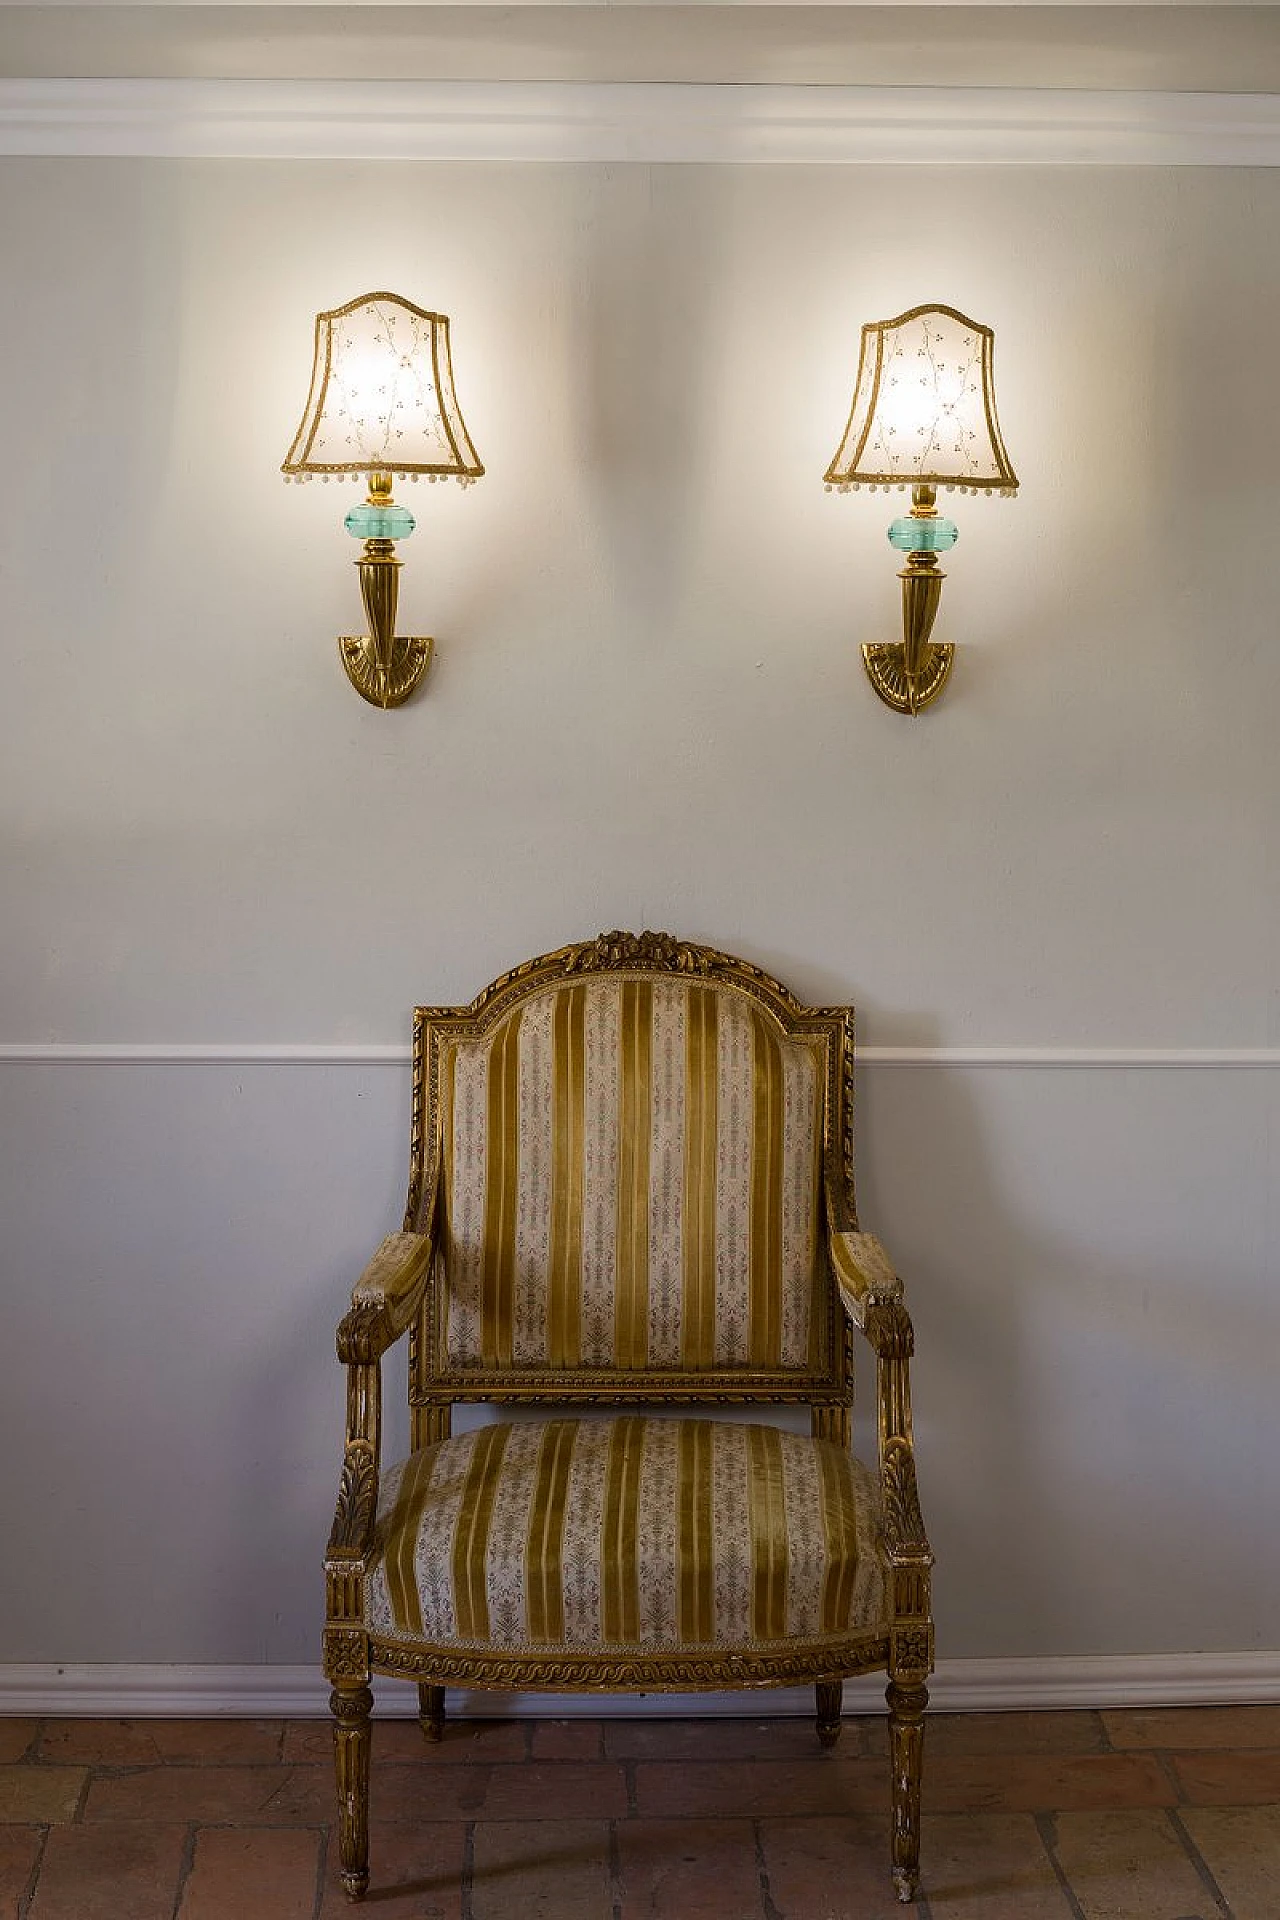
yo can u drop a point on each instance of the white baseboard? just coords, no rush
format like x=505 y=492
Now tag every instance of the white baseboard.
x=958 y=1686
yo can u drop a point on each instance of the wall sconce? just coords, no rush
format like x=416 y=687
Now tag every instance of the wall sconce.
x=382 y=403
x=924 y=416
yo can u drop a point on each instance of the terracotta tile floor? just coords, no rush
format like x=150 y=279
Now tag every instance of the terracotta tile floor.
x=1167 y=1815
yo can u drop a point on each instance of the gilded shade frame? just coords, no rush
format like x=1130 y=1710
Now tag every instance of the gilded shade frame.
x=466 y=463
x=844 y=468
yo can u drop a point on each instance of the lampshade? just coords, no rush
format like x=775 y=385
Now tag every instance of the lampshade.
x=382 y=398
x=924 y=408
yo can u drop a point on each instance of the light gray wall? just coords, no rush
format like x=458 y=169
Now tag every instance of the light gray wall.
x=648 y=708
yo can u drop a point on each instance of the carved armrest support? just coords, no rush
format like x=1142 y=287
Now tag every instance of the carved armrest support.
x=905 y=1539
x=910 y=1560
x=383 y=1303
x=352 y=1532
x=385 y=1298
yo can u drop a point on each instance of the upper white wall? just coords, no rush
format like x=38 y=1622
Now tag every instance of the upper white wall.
x=648 y=705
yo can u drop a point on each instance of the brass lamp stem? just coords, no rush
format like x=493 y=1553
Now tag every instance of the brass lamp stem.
x=921 y=579
x=908 y=676
x=383 y=666
x=380 y=590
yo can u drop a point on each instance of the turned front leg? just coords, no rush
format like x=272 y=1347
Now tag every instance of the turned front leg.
x=351 y=1708
x=906 y=1758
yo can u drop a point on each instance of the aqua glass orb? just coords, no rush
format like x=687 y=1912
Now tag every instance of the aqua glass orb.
x=391 y=522
x=912 y=535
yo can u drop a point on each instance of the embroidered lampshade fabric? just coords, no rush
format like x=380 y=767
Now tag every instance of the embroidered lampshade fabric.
x=924 y=407
x=631 y=1180
x=625 y=1535
x=382 y=396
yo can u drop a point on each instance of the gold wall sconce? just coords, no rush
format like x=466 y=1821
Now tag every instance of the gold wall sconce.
x=923 y=416
x=382 y=403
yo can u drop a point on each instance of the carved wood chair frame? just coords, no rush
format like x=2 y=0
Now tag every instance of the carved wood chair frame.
x=397 y=1294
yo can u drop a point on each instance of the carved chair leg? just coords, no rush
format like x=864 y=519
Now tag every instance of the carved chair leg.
x=431 y=1711
x=351 y=1707
x=906 y=1757
x=830 y=1701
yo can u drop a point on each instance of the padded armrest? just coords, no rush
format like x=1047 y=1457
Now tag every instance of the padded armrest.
x=386 y=1296
x=864 y=1273
x=392 y=1276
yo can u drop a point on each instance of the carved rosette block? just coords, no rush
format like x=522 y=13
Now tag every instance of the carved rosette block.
x=351 y=1708
x=346 y=1654
x=911 y=1649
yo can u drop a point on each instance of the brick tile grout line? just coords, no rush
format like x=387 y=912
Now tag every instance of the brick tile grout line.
x=1198 y=1861
x=1047 y=1828
x=467 y=1878
x=1164 y=1759
x=82 y=1798
x=616 y=1889
x=185 y=1866
x=767 y=1903
x=28 y=1893
x=322 y=1872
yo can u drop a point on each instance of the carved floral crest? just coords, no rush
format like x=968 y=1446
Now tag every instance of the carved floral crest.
x=619 y=949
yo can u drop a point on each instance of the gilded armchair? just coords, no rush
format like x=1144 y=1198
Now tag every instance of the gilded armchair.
x=631 y=1190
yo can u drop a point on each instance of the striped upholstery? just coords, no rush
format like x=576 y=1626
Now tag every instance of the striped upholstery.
x=626 y=1534
x=631 y=1171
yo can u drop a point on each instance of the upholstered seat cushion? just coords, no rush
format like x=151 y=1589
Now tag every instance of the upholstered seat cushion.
x=628 y=1535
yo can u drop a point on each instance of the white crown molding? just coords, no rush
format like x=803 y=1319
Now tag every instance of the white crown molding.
x=958 y=1686
x=568 y=121
x=146 y=1053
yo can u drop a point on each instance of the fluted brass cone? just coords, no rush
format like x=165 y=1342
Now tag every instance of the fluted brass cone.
x=384 y=667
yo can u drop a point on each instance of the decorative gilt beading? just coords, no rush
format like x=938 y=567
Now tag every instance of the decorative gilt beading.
x=658 y=1673
x=900 y=1643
